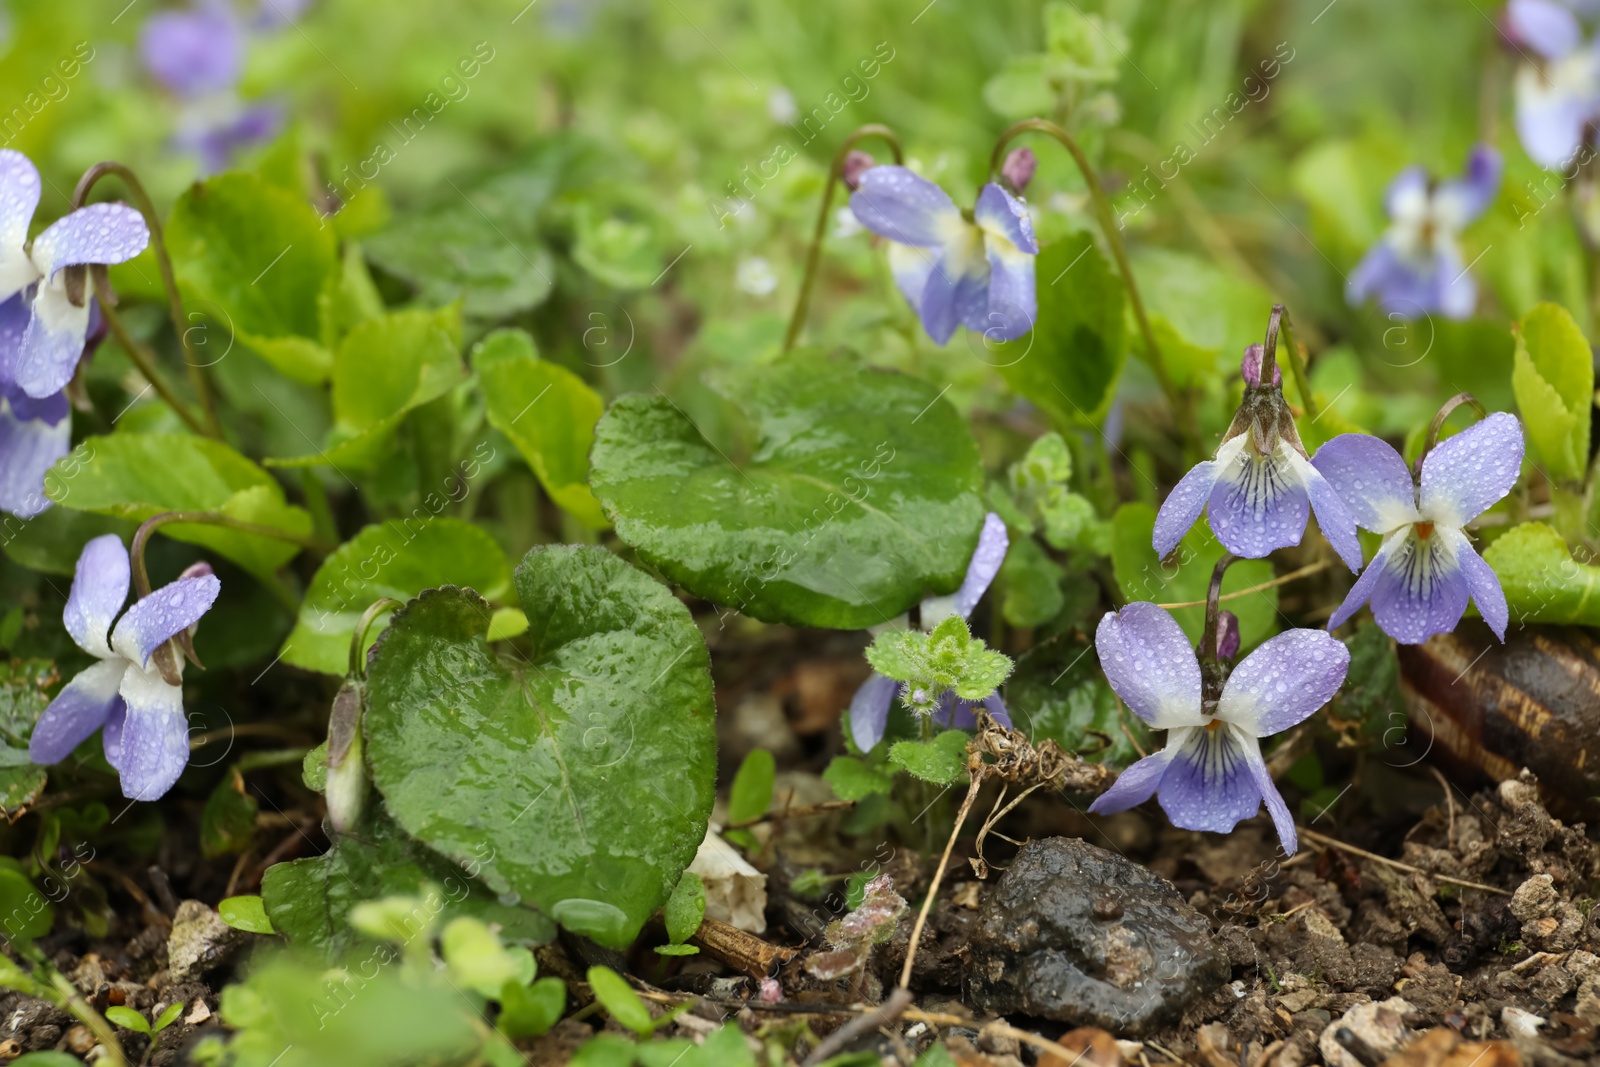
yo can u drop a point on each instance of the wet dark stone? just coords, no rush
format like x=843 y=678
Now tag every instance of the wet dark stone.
x=1083 y=936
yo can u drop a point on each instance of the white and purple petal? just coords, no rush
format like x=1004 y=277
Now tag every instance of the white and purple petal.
x=1371 y=479
x=1259 y=503
x=981 y=569
x=1135 y=785
x=1407 y=194
x=869 y=710
x=1420 y=591
x=1284 y=681
x=1455 y=291
x=1482 y=582
x=899 y=204
x=1150 y=664
x=29 y=447
x=78 y=711
x=1460 y=200
x=164 y=614
x=53 y=342
x=910 y=266
x=1545 y=26
x=19 y=198
x=1208 y=785
x=95 y=233
x=1282 y=820
x=1334 y=518
x=1465 y=475
x=1362 y=591
x=99 y=589
x=1187 y=500
x=1555 y=102
x=958 y=288
x=1013 y=300
x=1002 y=215
x=153 y=748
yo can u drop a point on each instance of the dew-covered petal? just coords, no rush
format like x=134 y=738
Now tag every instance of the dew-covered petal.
x=1554 y=103
x=19 y=198
x=1334 y=518
x=1545 y=26
x=1284 y=681
x=899 y=204
x=869 y=710
x=111 y=732
x=29 y=447
x=99 y=589
x=958 y=288
x=1013 y=302
x=1151 y=665
x=194 y=52
x=1361 y=592
x=1208 y=785
x=154 y=747
x=1371 y=479
x=77 y=711
x=1465 y=475
x=1482 y=582
x=1460 y=200
x=53 y=342
x=163 y=614
x=1183 y=506
x=1282 y=820
x=95 y=233
x=1421 y=590
x=1006 y=217
x=1135 y=785
x=981 y=569
x=910 y=266
x=1259 y=503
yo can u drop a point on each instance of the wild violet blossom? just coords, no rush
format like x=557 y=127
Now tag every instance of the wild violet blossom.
x=1558 y=82
x=199 y=55
x=1426 y=569
x=33 y=433
x=41 y=364
x=869 y=708
x=135 y=692
x=954 y=268
x=1211 y=774
x=1260 y=487
x=1416 y=268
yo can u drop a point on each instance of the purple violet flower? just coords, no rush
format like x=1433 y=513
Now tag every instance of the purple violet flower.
x=42 y=362
x=135 y=692
x=1210 y=775
x=1260 y=487
x=1558 y=85
x=954 y=270
x=33 y=433
x=1426 y=569
x=195 y=52
x=1416 y=268
x=869 y=708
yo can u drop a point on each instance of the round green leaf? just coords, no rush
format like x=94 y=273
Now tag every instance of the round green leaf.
x=398 y=559
x=860 y=495
x=580 y=780
x=247 y=914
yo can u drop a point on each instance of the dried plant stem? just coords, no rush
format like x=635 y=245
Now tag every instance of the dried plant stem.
x=1397 y=865
x=938 y=876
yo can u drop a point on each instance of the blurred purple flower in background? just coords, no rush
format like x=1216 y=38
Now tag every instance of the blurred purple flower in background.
x=1558 y=82
x=869 y=708
x=1416 y=268
x=198 y=54
x=954 y=270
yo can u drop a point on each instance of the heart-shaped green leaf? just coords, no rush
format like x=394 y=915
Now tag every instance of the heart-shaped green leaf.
x=135 y=476
x=397 y=559
x=1542 y=582
x=859 y=497
x=580 y=780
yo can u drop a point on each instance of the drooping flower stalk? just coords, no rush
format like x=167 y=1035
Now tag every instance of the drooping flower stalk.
x=802 y=302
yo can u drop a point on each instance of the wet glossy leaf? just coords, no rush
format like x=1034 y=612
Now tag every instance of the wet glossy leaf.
x=861 y=493
x=135 y=476
x=548 y=413
x=685 y=908
x=1553 y=377
x=1542 y=582
x=942 y=761
x=246 y=913
x=257 y=257
x=398 y=560
x=586 y=772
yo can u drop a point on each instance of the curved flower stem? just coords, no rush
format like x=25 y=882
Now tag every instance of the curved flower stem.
x=802 y=302
x=1437 y=424
x=169 y=281
x=1279 y=323
x=358 y=664
x=142 y=357
x=141 y=576
x=1108 y=224
x=1210 y=669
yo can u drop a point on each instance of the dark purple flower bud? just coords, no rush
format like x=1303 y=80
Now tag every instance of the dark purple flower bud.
x=1251 y=367
x=1019 y=167
x=197 y=570
x=856 y=163
x=1227 y=634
